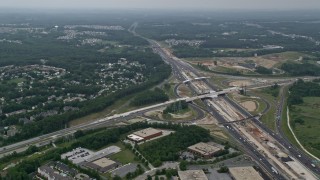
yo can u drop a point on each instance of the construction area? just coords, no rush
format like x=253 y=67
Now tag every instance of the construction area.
x=262 y=141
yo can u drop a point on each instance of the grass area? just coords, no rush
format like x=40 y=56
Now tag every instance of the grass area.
x=182 y=114
x=285 y=128
x=200 y=103
x=291 y=55
x=217 y=80
x=170 y=91
x=269 y=117
x=288 y=56
x=113 y=109
x=33 y=156
x=261 y=106
x=222 y=69
x=125 y=156
x=184 y=91
x=274 y=91
x=308 y=131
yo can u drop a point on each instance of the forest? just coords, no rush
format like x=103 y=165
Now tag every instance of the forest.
x=176 y=107
x=149 y=97
x=304 y=69
x=302 y=89
x=167 y=148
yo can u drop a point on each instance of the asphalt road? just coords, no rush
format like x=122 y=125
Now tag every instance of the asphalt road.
x=294 y=152
x=259 y=158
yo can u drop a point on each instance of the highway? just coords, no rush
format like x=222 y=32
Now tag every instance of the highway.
x=260 y=159
x=101 y=122
x=305 y=160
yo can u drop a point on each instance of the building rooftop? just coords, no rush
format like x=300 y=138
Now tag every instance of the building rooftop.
x=52 y=173
x=135 y=137
x=103 y=162
x=204 y=148
x=146 y=132
x=192 y=175
x=244 y=173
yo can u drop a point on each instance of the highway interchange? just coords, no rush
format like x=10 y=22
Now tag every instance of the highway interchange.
x=294 y=152
x=177 y=67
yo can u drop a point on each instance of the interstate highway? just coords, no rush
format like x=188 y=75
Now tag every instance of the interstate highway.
x=177 y=65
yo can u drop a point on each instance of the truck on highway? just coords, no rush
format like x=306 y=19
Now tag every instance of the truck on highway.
x=274 y=170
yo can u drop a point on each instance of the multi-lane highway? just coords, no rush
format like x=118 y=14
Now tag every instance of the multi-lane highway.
x=178 y=65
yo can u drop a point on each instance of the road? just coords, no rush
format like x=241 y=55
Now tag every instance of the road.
x=177 y=65
x=305 y=160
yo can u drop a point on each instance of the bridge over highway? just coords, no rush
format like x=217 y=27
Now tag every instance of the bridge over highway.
x=101 y=122
x=195 y=79
x=242 y=120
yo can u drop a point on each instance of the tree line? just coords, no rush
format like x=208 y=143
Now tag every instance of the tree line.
x=167 y=148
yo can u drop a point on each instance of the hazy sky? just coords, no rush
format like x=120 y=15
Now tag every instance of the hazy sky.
x=167 y=4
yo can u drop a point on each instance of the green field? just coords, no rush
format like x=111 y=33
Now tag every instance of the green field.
x=269 y=117
x=125 y=156
x=308 y=132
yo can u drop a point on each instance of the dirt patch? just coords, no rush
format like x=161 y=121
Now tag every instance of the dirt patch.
x=135 y=120
x=207 y=120
x=240 y=83
x=249 y=105
x=268 y=61
x=181 y=116
x=183 y=91
x=215 y=130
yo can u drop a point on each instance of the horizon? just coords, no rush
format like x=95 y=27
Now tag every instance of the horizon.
x=244 y=5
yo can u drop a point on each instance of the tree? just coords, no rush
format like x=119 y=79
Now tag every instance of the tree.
x=78 y=134
x=183 y=165
x=117 y=178
x=168 y=174
x=167 y=86
x=157 y=163
x=263 y=70
x=223 y=169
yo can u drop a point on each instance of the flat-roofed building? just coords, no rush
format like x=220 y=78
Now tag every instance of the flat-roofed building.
x=135 y=138
x=51 y=174
x=244 y=173
x=102 y=165
x=192 y=175
x=145 y=134
x=203 y=149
